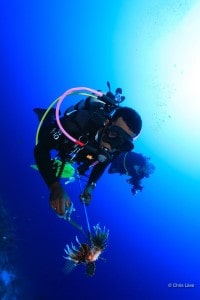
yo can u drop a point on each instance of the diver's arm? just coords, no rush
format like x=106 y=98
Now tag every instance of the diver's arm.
x=59 y=200
x=50 y=138
x=97 y=172
x=45 y=164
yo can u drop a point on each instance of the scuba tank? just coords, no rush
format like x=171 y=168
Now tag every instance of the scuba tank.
x=100 y=108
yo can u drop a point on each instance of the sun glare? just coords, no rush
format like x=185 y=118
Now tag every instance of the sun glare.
x=180 y=69
x=165 y=75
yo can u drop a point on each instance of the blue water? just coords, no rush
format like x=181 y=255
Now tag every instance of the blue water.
x=48 y=47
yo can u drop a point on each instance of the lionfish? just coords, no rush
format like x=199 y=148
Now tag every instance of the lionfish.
x=87 y=253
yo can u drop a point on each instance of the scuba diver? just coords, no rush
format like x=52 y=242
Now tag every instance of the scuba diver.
x=101 y=125
x=135 y=165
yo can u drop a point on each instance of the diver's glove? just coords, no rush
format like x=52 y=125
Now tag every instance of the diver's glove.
x=86 y=196
x=59 y=200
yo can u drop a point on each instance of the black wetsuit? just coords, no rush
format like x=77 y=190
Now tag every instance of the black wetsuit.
x=82 y=124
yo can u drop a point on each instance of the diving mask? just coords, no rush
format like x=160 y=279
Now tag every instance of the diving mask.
x=115 y=136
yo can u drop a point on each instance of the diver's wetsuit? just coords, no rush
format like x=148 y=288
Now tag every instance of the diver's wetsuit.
x=84 y=125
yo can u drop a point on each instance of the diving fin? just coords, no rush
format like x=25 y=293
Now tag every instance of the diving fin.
x=41 y=111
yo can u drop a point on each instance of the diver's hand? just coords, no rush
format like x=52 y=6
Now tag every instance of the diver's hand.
x=59 y=200
x=86 y=196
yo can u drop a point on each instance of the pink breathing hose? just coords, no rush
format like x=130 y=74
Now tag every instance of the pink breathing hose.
x=62 y=97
